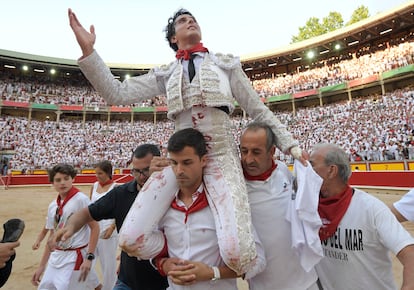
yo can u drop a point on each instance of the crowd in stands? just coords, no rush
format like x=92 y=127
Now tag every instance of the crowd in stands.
x=58 y=92
x=374 y=128
x=377 y=128
x=40 y=144
x=338 y=72
x=326 y=73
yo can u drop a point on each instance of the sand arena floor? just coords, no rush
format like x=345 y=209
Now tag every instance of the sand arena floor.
x=30 y=204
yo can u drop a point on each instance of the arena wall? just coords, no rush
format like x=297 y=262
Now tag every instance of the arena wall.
x=394 y=179
x=30 y=180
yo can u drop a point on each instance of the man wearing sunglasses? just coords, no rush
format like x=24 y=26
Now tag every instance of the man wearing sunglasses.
x=141 y=173
x=133 y=274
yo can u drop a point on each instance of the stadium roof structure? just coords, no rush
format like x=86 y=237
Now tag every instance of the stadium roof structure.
x=390 y=27
x=65 y=66
x=373 y=33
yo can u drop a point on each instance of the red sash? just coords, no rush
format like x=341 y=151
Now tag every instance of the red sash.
x=79 y=256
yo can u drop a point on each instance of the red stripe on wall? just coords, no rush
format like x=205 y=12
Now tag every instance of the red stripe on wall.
x=120 y=109
x=79 y=179
x=383 y=178
x=365 y=178
x=161 y=109
x=15 y=104
x=71 y=108
x=305 y=94
x=359 y=82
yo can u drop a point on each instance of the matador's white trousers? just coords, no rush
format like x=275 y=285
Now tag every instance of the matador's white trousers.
x=225 y=186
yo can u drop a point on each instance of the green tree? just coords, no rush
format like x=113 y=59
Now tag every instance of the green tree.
x=332 y=22
x=359 y=14
x=315 y=27
x=312 y=28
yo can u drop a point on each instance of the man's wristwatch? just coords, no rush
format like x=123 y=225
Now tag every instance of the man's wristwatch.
x=216 y=272
x=90 y=256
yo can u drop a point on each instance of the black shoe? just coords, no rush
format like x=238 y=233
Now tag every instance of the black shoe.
x=13 y=229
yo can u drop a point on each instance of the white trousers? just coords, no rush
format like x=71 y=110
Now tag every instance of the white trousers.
x=65 y=278
x=225 y=186
x=106 y=251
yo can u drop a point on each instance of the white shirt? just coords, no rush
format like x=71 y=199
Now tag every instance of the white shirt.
x=269 y=201
x=198 y=60
x=194 y=240
x=304 y=217
x=357 y=255
x=79 y=239
x=103 y=224
x=406 y=205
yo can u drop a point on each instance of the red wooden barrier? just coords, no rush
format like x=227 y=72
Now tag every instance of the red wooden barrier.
x=79 y=179
x=364 y=178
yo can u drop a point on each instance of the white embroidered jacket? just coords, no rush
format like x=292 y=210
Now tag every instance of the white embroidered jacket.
x=221 y=83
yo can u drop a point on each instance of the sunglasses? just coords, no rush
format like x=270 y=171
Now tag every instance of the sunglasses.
x=136 y=171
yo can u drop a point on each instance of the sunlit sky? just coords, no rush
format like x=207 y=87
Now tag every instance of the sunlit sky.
x=131 y=31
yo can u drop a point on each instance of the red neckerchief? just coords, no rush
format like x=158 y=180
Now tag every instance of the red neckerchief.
x=102 y=184
x=186 y=53
x=331 y=210
x=262 y=177
x=198 y=204
x=71 y=193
